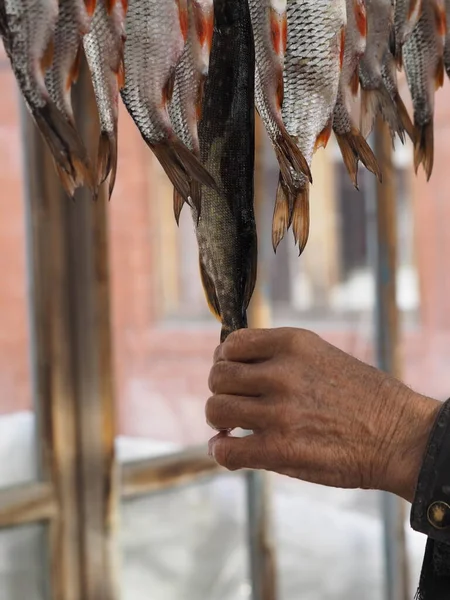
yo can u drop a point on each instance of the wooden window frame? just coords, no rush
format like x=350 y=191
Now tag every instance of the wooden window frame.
x=80 y=483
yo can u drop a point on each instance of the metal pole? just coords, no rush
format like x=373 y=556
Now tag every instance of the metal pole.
x=382 y=246
x=261 y=549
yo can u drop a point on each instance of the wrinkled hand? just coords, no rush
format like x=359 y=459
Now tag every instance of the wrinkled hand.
x=316 y=413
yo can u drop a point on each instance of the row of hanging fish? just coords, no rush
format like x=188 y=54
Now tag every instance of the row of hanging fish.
x=190 y=72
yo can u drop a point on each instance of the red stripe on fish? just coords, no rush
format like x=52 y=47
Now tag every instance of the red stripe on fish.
x=184 y=18
x=324 y=136
x=47 y=58
x=278 y=28
x=342 y=47
x=90 y=6
x=359 y=9
x=204 y=25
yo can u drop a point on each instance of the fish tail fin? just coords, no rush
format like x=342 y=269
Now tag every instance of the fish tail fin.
x=182 y=167
x=300 y=218
x=69 y=153
x=354 y=148
x=107 y=159
x=379 y=101
x=281 y=214
x=290 y=156
x=210 y=292
x=424 y=148
x=404 y=117
x=178 y=203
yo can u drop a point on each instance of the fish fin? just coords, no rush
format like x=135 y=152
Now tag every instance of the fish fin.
x=90 y=5
x=424 y=148
x=398 y=57
x=404 y=117
x=67 y=149
x=181 y=166
x=75 y=69
x=250 y=276
x=439 y=77
x=300 y=218
x=354 y=82
x=354 y=148
x=392 y=41
x=278 y=30
x=107 y=159
x=290 y=156
x=121 y=75
x=167 y=91
x=441 y=21
x=359 y=10
x=281 y=215
x=47 y=58
x=204 y=25
x=178 y=203
x=324 y=136
x=195 y=197
x=109 y=5
x=342 y=47
x=378 y=101
x=210 y=292
x=184 y=17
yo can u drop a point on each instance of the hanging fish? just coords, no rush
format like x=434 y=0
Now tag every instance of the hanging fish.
x=389 y=75
x=407 y=13
x=27 y=28
x=156 y=34
x=186 y=106
x=352 y=144
x=423 y=57
x=313 y=65
x=375 y=98
x=269 y=21
x=226 y=230
x=104 y=48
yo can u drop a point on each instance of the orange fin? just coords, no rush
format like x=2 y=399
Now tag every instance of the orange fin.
x=424 y=148
x=359 y=9
x=290 y=157
x=181 y=166
x=107 y=160
x=300 y=218
x=204 y=25
x=439 y=77
x=109 y=5
x=75 y=69
x=441 y=21
x=354 y=82
x=90 y=5
x=167 y=92
x=178 y=203
x=184 y=18
x=278 y=30
x=404 y=117
x=324 y=136
x=47 y=58
x=210 y=292
x=280 y=221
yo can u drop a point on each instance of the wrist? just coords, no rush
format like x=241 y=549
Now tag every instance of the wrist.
x=408 y=444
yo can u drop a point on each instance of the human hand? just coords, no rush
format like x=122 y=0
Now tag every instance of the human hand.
x=316 y=413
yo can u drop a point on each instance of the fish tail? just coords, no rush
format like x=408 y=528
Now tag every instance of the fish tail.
x=300 y=217
x=354 y=148
x=281 y=214
x=290 y=156
x=182 y=167
x=379 y=101
x=404 y=117
x=210 y=292
x=107 y=159
x=424 y=148
x=69 y=153
x=178 y=203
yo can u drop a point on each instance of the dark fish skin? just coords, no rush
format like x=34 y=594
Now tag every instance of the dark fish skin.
x=226 y=230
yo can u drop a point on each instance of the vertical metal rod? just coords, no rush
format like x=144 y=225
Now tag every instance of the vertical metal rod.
x=381 y=226
x=261 y=549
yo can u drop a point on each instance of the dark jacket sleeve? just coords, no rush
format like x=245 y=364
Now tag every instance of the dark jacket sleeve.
x=430 y=513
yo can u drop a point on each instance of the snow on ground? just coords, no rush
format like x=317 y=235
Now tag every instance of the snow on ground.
x=189 y=544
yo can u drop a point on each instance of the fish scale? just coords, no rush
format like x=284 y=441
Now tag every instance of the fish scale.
x=423 y=61
x=156 y=35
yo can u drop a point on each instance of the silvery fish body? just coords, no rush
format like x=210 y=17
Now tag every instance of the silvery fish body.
x=104 y=48
x=156 y=34
x=423 y=56
x=27 y=28
x=269 y=22
x=191 y=73
x=407 y=13
x=313 y=64
x=226 y=230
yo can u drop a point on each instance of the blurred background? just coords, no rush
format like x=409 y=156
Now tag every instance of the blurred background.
x=190 y=542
